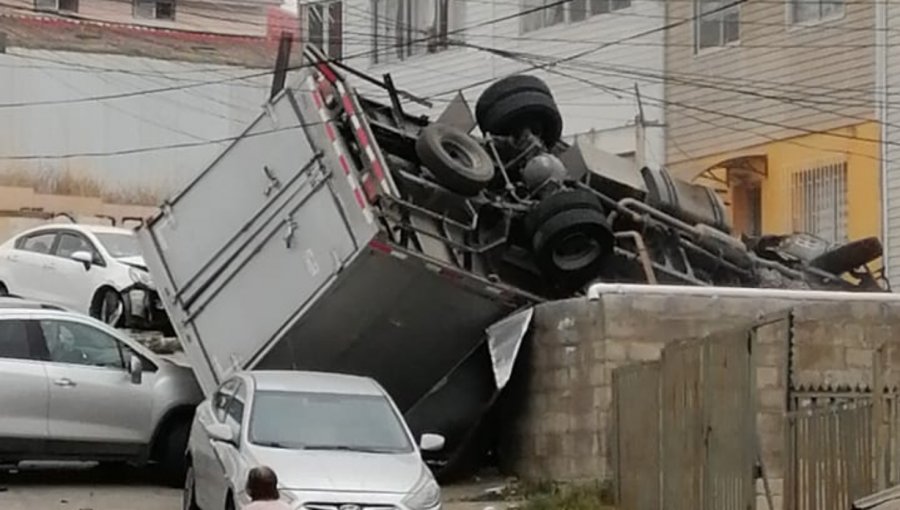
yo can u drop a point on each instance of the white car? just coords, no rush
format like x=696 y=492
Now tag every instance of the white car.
x=92 y=269
x=334 y=441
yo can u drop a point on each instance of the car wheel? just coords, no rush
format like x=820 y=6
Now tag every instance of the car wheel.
x=229 y=502
x=110 y=308
x=173 y=464
x=455 y=159
x=189 y=497
x=3 y=290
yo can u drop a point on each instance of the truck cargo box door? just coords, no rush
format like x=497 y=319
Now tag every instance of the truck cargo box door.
x=254 y=236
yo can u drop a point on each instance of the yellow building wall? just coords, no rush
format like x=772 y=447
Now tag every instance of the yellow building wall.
x=857 y=145
x=863 y=177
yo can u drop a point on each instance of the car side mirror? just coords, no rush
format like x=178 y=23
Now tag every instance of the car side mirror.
x=431 y=442
x=84 y=257
x=220 y=432
x=136 y=369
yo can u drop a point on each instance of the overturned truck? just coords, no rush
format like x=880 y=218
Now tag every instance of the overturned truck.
x=341 y=234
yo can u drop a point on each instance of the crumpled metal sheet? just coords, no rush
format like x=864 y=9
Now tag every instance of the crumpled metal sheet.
x=504 y=342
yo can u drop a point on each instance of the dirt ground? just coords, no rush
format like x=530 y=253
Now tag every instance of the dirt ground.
x=78 y=487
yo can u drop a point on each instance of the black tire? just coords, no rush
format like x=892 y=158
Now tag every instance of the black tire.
x=173 y=461
x=505 y=87
x=189 y=497
x=573 y=244
x=455 y=158
x=849 y=256
x=109 y=308
x=4 y=292
x=557 y=203
x=229 y=502
x=531 y=110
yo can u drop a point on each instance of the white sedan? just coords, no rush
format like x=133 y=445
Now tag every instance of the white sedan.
x=96 y=270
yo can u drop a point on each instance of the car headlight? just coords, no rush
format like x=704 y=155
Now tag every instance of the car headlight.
x=425 y=494
x=141 y=277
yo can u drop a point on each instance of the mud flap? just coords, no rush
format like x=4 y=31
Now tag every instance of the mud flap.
x=457 y=405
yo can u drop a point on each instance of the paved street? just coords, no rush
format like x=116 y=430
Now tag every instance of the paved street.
x=125 y=489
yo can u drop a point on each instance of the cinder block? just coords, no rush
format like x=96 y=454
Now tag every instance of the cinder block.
x=768 y=377
x=859 y=358
x=771 y=400
x=617 y=350
x=644 y=351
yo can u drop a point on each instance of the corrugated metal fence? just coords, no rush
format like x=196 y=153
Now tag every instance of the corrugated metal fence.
x=830 y=459
x=693 y=410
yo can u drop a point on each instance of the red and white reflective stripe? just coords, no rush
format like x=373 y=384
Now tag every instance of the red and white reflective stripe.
x=342 y=158
x=363 y=138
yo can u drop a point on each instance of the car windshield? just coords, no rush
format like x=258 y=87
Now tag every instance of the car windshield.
x=327 y=421
x=120 y=245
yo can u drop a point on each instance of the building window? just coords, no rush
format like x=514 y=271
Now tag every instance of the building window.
x=717 y=23
x=56 y=5
x=811 y=11
x=819 y=201
x=404 y=28
x=154 y=9
x=547 y=13
x=325 y=26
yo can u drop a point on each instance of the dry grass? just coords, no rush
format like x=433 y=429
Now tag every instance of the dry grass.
x=71 y=184
x=594 y=496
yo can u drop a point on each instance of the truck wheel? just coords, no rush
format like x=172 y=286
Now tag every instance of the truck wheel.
x=849 y=256
x=455 y=158
x=526 y=109
x=557 y=203
x=572 y=243
x=505 y=87
x=172 y=462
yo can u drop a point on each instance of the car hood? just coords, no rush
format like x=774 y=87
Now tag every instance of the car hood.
x=135 y=261
x=341 y=471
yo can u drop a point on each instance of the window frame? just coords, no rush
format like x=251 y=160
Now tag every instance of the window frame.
x=37 y=347
x=98 y=258
x=118 y=343
x=720 y=16
x=57 y=7
x=331 y=39
x=444 y=12
x=51 y=248
x=135 y=9
x=567 y=18
x=793 y=22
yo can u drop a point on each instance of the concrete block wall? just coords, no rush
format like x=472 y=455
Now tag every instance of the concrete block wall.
x=562 y=429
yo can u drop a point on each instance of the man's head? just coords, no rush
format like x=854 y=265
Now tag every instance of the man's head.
x=262 y=484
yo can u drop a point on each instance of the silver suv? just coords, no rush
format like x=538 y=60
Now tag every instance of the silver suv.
x=73 y=388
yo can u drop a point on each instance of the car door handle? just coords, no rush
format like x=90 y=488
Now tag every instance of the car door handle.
x=65 y=381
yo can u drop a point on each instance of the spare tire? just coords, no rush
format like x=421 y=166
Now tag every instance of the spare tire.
x=849 y=256
x=455 y=159
x=507 y=86
x=524 y=109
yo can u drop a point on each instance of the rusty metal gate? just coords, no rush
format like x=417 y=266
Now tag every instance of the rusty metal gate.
x=706 y=427
x=830 y=457
x=636 y=408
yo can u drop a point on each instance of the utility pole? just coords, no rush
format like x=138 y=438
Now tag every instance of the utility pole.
x=640 y=129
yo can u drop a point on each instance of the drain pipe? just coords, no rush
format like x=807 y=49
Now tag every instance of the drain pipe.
x=881 y=102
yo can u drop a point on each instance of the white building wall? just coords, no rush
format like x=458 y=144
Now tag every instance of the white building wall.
x=888 y=42
x=599 y=93
x=126 y=142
